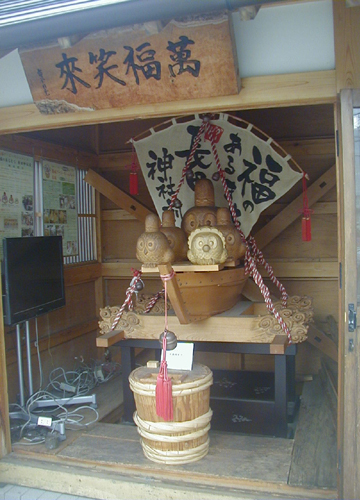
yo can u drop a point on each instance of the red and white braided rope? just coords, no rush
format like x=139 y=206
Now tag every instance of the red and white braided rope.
x=251 y=247
x=188 y=161
x=153 y=301
x=128 y=300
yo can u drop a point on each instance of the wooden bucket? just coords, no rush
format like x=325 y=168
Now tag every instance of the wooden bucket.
x=185 y=439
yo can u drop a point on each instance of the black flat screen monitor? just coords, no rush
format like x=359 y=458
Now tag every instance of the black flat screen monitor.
x=33 y=277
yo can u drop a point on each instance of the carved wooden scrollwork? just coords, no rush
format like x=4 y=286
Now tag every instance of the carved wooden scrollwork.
x=129 y=319
x=297 y=316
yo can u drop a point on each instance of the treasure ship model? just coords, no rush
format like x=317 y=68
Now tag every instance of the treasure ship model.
x=207 y=261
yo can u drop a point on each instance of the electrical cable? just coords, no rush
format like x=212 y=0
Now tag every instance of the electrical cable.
x=38 y=354
x=79 y=381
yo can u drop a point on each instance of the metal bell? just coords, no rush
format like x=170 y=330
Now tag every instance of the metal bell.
x=215 y=176
x=139 y=285
x=171 y=340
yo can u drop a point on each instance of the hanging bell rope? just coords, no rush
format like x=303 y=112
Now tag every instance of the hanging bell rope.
x=163 y=393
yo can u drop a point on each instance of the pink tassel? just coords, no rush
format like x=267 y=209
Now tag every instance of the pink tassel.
x=163 y=394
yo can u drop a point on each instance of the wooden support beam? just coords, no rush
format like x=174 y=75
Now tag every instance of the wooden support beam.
x=305 y=269
x=110 y=338
x=291 y=212
x=316 y=87
x=279 y=344
x=116 y=214
x=318 y=339
x=117 y=196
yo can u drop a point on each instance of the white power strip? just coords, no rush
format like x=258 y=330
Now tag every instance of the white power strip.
x=67 y=387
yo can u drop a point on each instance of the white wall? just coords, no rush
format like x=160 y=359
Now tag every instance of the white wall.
x=286 y=39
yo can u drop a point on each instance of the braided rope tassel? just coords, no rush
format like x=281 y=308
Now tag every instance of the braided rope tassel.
x=128 y=300
x=250 y=263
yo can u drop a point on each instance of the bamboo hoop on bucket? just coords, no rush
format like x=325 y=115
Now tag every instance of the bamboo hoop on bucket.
x=151 y=430
x=179 y=457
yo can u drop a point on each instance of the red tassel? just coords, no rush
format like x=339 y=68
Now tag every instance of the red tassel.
x=306 y=229
x=306 y=211
x=134 y=186
x=163 y=393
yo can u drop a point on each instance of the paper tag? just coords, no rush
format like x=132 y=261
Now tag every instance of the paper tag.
x=46 y=421
x=181 y=358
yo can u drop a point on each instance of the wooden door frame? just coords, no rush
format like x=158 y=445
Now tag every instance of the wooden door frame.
x=349 y=348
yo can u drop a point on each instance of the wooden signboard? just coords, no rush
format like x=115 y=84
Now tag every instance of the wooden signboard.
x=123 y=67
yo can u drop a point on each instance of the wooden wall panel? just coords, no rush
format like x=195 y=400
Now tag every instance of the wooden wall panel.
x=323 y=244
x=119 y=239
x=42 y=149
x=79 y=308
x=66 y=356
x=323 y=292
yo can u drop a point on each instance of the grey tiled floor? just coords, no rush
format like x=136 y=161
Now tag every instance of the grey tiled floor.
x=14 y=492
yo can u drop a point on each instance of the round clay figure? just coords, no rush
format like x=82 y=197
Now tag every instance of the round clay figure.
x=207 y=246
x=152 y=247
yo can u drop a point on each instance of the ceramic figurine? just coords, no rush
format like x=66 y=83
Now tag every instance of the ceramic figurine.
x=234 y=244
x=152 y=247
x=207 y=246
x=204 y=211
x=175 y=235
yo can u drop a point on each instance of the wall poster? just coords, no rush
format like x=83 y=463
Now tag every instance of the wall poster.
x=16 y=196
x=59 y=204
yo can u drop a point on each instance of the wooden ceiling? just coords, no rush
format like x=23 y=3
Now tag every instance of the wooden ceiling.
x=288 y=123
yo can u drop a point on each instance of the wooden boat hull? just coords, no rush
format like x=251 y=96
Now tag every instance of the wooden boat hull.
x=208 y=293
